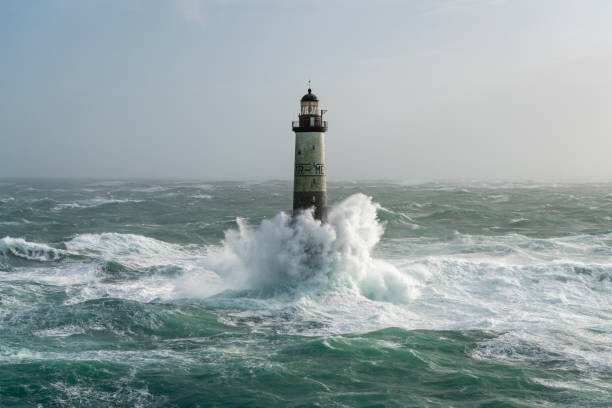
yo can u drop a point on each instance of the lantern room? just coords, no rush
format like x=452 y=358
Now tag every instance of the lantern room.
x=310 y=118
x=309 y=104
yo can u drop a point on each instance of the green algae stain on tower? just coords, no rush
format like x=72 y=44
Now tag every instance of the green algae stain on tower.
x=309 y=180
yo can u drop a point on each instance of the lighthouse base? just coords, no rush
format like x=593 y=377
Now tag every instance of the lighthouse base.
x=304 y=200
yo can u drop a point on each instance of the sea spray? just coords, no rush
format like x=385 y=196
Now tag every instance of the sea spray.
x=304 y=252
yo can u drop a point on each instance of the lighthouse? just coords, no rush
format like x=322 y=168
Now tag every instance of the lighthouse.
x=309 y=180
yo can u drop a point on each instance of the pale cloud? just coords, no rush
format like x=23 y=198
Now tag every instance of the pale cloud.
x=453 y=6
x=192 y=10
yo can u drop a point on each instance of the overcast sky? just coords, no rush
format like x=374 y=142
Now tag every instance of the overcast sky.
x=416 y=90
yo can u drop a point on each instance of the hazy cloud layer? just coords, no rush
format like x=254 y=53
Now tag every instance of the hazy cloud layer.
x=465 y=89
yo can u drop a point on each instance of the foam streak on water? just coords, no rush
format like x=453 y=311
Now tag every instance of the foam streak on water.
x=439 y=295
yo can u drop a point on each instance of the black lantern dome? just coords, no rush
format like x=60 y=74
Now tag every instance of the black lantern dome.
x=310 y=97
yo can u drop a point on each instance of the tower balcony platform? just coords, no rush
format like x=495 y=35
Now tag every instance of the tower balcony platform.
x=309 y=124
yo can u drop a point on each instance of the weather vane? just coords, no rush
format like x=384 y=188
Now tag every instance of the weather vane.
x=309 y=83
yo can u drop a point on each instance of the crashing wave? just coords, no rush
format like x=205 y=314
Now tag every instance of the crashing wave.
x=32 y=251
x=291 y=251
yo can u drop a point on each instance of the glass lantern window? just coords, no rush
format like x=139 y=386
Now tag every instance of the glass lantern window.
x=309 y=108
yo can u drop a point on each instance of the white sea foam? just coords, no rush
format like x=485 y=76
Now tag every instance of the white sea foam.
x=92 y=202
x=69 y=274
x=498 y=198
x=108 y=183
x=63 y=331
x=21 y=248
x=152 y=189
x=206 y=187
x=131 y=250
x=142 y=253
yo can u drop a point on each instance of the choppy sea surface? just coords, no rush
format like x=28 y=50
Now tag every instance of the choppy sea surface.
x=187 y=294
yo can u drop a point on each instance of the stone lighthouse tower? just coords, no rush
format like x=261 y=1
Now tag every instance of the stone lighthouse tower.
x=309 y=180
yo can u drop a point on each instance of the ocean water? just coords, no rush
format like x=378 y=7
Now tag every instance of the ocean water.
x=193 y=294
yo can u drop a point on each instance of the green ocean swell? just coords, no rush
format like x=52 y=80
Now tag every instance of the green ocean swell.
x=61 y=349
x=187 y=358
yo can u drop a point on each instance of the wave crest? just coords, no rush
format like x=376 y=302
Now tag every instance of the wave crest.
x=32 y=251
x=134 y=251
x=302 y=251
